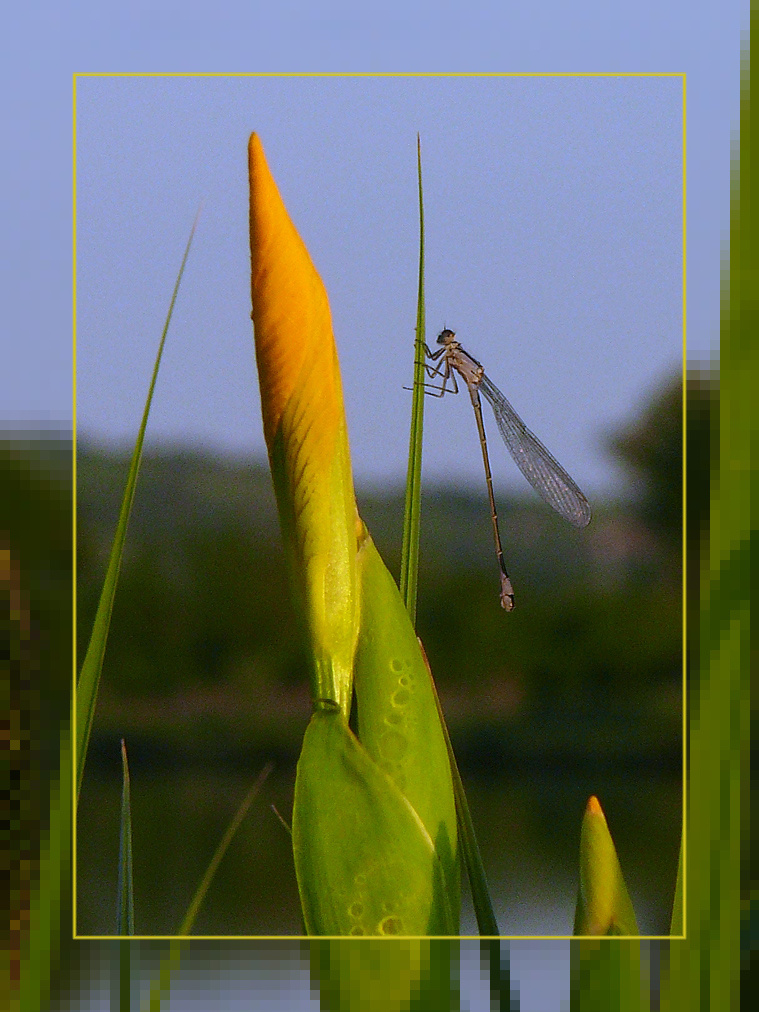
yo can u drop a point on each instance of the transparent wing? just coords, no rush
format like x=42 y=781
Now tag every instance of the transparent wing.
x=540 y=468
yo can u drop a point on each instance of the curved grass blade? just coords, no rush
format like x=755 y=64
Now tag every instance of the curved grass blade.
x=412 y=512
x=200 y=893
x=89 y=677
x=125 y=902
x=160 y=988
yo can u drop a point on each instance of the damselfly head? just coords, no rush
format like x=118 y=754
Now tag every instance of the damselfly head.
x=445 y=336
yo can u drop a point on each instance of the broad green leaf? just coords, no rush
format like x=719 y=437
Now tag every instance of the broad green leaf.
x=398 y=721
x=364 y=861
x=403 y=975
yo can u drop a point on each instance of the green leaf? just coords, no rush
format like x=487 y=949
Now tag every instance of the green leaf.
x=364 y=861
x=603 y=904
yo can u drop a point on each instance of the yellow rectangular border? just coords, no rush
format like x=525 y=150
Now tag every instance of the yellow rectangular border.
x=335 y=74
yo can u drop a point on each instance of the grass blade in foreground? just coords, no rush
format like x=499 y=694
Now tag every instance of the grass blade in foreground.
x=676 y=925
x=705 y=969
x=89 y=677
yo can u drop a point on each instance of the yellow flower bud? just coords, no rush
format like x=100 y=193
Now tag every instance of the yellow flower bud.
x=305 y=430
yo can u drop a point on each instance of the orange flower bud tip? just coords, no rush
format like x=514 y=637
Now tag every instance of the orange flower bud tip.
x=594 y=807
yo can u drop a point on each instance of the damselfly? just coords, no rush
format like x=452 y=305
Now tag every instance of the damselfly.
x=540 y=468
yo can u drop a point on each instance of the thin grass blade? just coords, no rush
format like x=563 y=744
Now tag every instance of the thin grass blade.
x=161 y=988
x=200 y=894
x=89 y=677
x=412 y=513
x=121 y=984
x=125 y=902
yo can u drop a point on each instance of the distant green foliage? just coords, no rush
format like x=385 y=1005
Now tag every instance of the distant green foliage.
x=203 y=599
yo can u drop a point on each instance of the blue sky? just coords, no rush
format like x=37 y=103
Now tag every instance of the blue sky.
x=553 y=212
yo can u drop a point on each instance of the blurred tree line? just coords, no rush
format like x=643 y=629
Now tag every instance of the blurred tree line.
x=202 y=609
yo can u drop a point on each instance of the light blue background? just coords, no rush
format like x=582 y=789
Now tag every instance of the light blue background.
x=553 y=212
